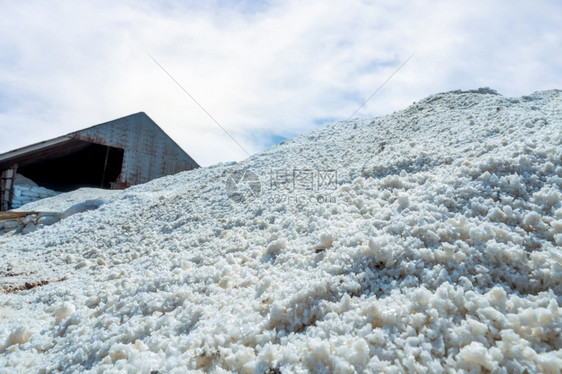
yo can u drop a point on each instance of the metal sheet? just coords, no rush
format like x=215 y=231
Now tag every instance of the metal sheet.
x=148 y=152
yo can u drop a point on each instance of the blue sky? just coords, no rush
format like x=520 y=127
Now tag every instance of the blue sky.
x=266 y=70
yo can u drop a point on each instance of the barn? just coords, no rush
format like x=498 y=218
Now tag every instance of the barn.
x=112 y=155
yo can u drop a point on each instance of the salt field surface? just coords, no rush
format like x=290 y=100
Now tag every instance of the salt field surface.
x=428 y=240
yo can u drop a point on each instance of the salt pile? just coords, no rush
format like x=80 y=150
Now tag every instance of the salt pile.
x=66 y=200
x=426 y=240
x=50 y=210
x=26 y=191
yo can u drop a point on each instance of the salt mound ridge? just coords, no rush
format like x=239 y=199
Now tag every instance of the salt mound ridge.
x=438 y=249
x=65 y=200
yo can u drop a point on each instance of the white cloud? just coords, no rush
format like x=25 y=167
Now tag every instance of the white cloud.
x=261 y=69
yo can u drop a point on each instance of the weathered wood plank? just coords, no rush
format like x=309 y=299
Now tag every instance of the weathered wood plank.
x=13 y=216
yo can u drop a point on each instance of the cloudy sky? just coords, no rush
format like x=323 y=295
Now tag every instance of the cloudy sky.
x=265 y=70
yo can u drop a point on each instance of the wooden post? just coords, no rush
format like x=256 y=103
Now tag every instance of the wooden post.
x=3 y=195
x=12 y=183
x=104 y=167
x=7 y=188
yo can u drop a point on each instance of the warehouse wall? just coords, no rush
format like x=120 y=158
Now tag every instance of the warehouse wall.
x=149 y=152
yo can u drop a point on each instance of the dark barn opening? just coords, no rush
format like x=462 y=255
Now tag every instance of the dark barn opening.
x=78 y=164
x=112 y=155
